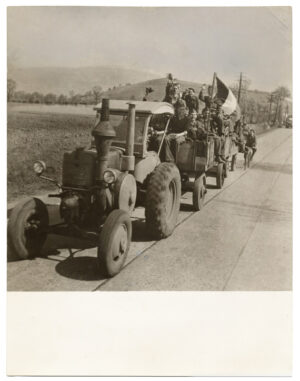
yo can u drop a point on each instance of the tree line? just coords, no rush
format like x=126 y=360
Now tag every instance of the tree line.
x=90 y=97
x=273 y=110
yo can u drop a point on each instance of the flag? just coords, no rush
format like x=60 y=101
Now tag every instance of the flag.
x=225 y=96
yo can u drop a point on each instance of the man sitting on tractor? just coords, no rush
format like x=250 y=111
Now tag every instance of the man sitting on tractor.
x=175 y=134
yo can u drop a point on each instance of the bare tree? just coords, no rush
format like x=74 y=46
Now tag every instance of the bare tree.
x=280 y=94
x=97 y=91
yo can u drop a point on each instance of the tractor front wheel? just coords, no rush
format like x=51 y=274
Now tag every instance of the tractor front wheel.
x=114 y=242
x=27 y=228
x=163 y=200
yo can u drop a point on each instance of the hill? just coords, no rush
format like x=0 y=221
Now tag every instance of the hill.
x=137 y=91
x=62 y=80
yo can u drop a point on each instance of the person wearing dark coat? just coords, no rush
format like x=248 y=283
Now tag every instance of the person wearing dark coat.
x=195 y=129
x=192 y=102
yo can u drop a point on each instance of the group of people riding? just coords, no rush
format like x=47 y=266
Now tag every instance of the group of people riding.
x=189 y=123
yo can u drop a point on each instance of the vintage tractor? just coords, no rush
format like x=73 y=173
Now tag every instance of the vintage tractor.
x=101 y=186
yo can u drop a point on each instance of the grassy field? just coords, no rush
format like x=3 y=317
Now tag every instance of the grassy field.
x=33 y=136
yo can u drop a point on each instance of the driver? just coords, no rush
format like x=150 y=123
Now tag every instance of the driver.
x=177 y=132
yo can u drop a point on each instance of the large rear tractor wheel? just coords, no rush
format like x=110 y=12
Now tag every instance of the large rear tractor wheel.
x=220 y=177
x=199 y=192
x=163 y=200
x=27 y=228
x=114 y=242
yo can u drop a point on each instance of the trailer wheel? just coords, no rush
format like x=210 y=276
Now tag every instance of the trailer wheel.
x=220 y=175
x=114 y=242
x=163 y=200
x=199 y=192
x=233 y=162
x=27 y=228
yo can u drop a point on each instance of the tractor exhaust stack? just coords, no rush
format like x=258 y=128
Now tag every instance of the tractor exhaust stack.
x=128 y=160
x=103 y=133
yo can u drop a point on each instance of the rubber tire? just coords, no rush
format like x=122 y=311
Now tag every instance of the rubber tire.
x=23 y=247
x=158 y=223
x=233 y=162
x=199 y=186
x=220 y=175
x=114 y=220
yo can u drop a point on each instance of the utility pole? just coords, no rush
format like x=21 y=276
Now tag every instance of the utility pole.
x=240 y=88
x=243 y=84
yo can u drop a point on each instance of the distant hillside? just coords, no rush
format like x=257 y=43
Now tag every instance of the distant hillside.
x=137 y=91
x=59 y=80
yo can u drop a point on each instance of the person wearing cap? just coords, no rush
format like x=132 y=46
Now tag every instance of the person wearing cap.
x=192 y=102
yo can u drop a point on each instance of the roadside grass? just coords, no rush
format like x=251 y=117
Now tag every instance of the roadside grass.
x=46 y=137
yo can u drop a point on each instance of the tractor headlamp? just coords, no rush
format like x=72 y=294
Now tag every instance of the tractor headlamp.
x=109 y=176
x=39 y=167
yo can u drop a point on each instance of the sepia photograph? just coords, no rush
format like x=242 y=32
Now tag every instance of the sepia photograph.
x=150 y=148
x=158 y=158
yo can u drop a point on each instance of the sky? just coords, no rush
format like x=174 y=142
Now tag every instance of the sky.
x=190 y=42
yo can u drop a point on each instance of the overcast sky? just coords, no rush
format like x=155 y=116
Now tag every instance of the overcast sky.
x=191 y=43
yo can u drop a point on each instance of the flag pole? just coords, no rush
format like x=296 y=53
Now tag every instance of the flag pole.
x=213 y=84
x=211 y=97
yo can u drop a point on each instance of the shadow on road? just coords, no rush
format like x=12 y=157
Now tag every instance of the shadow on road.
x=80 y=268
x=186 y=207
x=139 y=231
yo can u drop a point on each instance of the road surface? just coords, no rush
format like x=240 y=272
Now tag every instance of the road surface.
x=240 y=240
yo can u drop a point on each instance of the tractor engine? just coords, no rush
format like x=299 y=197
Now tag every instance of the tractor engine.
x=73 y=208
x=78 y=177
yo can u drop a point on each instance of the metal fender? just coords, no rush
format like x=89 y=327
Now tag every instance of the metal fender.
x=125 y=192
x=144 y=166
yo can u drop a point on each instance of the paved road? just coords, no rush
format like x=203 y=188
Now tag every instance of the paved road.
x=241 y=240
